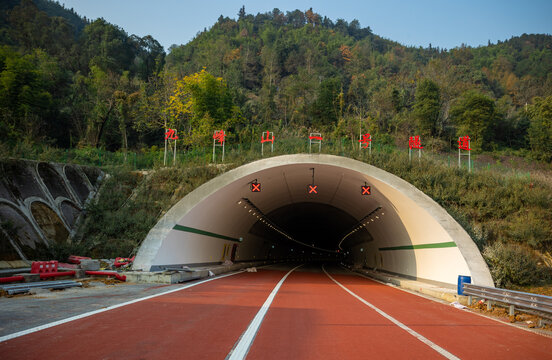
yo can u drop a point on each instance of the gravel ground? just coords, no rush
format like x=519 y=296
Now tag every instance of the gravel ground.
x=21 y=312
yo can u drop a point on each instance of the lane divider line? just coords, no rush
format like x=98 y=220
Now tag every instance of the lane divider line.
x=90 y=313
x=444 y=302
x=242 y=346
x=417 y=335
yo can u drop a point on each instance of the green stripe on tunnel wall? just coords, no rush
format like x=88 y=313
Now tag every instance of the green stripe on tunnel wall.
x=420 y=246
x=203 y=232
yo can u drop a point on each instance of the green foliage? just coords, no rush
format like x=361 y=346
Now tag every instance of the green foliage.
x=426 y=106
x=475 y=115
x=25 y=101
x=540 y=128
x=129 y=205
x=512 y=265
x=328 y=107
x=294 y=69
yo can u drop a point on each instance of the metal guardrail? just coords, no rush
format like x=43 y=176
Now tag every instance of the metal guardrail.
x=25 y=287
x=540 y=303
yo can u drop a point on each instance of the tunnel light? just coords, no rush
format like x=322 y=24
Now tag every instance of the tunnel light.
x=361 y=249
x=239 y=202
x=377 y=217
x=372 y=220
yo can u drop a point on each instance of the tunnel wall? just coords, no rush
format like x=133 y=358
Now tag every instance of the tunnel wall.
x=412 y=236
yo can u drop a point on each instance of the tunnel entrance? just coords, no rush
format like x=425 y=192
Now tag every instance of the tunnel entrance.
x=315 y=207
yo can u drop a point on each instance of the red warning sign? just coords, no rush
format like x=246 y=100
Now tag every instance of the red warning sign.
x=255 y=187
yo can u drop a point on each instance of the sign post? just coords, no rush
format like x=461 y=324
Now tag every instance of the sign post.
x=218 y=140
x=414 y=142
x=170 y=134
x=267 y=139
x=315 y=138
x=365 y=143
x=464 y=144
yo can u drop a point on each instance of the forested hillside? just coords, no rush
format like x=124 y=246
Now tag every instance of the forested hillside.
x=69 y=81
x=305 y=70
x=73 y=85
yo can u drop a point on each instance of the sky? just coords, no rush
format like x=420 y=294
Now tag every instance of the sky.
x=442 y=23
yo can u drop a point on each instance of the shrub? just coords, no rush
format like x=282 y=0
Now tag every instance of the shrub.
x=512 y=264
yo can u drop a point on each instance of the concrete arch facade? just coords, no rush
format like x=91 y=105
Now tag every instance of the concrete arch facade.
x=25 y=182
x=397 y=228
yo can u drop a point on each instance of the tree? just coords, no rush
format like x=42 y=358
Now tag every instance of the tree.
x=106 y=46
x=204 y=103
x=102 y=86
x=126 y=98
x=427 y=106
x=24 y=99
x=328 y=108
x=474 y=115
x=150 y=56
x=241 y=13
x=33 y=29
x=540 y=128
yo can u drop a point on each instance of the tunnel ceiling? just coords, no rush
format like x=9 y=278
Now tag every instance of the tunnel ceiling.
x=319 y=219
x=394 y=216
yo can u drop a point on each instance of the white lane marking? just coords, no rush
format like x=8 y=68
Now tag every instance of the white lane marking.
x=245 y=341
x=90 y=313
x=418 y=336
x=443 y=302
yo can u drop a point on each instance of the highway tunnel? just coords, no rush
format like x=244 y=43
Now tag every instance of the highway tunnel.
x=301 y=207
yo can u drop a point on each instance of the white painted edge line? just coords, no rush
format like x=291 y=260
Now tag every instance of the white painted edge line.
x=241 y=348
x=418 y=336
x=444 y=302
x=90 y=313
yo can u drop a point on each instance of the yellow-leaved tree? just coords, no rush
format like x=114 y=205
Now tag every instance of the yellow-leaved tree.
x=203 y=103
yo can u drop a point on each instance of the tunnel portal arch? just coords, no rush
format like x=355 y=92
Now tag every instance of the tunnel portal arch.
x=397 y=228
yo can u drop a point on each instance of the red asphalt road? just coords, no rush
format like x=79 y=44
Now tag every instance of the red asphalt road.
x=202 y=322
x=311 y=317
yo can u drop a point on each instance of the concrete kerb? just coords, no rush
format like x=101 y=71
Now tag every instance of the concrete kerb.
x=432 y=290
x=174 y=276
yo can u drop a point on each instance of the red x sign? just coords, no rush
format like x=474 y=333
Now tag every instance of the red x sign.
x=255 y=187
x=312 y=189
x=365 y=190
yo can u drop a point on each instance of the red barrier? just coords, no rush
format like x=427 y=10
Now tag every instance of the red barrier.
x=122 y=261
x=74 y=259
x=107 y=273
x=44 y=267
x=56 y=274
x=10 y=279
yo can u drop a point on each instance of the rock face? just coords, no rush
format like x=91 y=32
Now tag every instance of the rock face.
x=40 y=203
